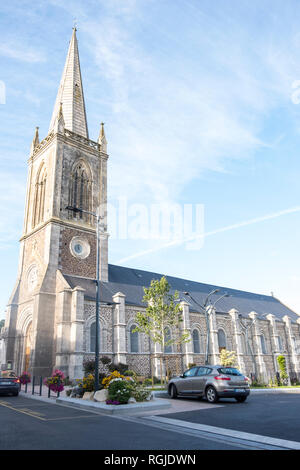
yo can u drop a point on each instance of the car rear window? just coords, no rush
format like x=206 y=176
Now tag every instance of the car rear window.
x=7 y=373
x=229 y=371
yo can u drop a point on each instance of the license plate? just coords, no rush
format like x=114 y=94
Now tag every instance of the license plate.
x=238 y=390
x=6 y=383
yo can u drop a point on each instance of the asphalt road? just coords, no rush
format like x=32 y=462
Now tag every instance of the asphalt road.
x=271 y=414
x=33 y=425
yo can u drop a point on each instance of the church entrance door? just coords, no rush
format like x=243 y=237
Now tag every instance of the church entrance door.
x=28 y=346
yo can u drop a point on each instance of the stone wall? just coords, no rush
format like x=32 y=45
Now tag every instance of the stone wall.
x=141 y=362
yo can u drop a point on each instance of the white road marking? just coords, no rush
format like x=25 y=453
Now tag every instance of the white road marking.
x=228 y=433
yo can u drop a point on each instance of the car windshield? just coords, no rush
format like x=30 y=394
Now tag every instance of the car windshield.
x=229 y=371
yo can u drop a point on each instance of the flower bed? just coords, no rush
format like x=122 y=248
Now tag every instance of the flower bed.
x=121 y=389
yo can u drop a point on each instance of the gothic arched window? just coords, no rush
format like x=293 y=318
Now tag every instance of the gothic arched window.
x=221 y=339
x=168 y=348
x=93 y=337
x=134 y=340
x=245 y=346
x=80 y=191
x=263 y=344
x=39 y=197
x=196 y=341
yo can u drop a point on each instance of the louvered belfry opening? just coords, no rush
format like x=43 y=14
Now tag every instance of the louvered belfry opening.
x=80 y=192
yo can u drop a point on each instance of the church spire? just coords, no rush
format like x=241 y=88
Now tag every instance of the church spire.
x=70 y=94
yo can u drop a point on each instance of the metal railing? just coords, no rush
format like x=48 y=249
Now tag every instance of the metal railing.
x=37 y=388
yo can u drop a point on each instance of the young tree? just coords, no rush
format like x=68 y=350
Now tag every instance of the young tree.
x=227 y=358
x=162 y=313
x=282 y=369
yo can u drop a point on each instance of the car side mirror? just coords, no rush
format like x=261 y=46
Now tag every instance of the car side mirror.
x=182 y=376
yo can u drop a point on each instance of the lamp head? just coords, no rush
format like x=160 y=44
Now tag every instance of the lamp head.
x=74 y=209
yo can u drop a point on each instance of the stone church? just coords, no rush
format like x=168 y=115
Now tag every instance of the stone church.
x=50 y=318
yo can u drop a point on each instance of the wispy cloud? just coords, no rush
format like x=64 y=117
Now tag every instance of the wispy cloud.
x=227 y=228
x=22 y=53
x=186 y=110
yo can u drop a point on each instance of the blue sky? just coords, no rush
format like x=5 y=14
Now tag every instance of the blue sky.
x=199 y=100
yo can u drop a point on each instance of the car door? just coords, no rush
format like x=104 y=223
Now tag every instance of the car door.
x=187 y=383
x=199 y=380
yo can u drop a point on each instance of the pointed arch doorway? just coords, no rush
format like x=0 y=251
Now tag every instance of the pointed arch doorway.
x=28 y=347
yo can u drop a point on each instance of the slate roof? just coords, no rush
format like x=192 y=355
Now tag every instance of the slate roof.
x=131 y=281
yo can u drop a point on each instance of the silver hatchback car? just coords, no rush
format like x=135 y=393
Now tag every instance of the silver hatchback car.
x=211 y=382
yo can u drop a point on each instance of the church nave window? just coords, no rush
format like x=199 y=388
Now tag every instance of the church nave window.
x=134 y=340
x=93 y=337
x=196 y=341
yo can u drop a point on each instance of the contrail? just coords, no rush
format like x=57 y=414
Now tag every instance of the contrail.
x=213 y=232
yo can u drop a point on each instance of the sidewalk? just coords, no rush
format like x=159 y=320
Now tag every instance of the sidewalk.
x=161 y=401
x=44 y=392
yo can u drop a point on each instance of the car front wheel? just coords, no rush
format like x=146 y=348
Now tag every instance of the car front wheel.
x=173 y=391
x=241 y=399
x=211 y=395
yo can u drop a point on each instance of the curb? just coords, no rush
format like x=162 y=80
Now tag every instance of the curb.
x=162 y=394
x=275 y=390
x=114 y=409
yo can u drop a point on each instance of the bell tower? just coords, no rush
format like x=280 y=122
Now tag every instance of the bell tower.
x=66 y=168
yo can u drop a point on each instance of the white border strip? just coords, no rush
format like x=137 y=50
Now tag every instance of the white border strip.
x=228 y=432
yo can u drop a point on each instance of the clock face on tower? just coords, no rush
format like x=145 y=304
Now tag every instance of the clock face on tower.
x=80 y=247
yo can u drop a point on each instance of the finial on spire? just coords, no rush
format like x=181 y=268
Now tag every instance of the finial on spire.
x=102 y=139
x=59 y=125
x=35 y=140
x=60 y=111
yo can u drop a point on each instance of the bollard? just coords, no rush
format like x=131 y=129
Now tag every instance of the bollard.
x=26 y=387
x=41 y=385
x=33 y=384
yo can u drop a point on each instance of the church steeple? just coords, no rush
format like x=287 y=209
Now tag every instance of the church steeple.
x=70 y=94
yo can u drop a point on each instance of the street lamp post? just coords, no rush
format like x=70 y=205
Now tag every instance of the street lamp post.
x=206 y=308
x=246 y=328
x=98 y=230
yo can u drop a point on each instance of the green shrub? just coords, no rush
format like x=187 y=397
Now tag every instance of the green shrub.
x=119 y=367
x=147 y=382
x=282 y=368
x=105 y=360
x=156 y=380
x=89 y=366
x=129 y=373
x=140 y=394
x=119 y=390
